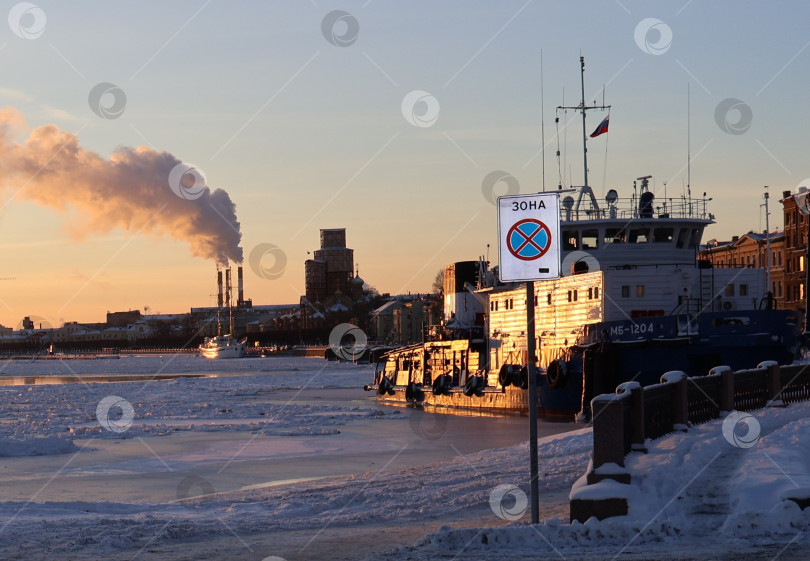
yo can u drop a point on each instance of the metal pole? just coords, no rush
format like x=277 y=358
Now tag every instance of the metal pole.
x=531 y=344
x=584 y=130
x=767 y=244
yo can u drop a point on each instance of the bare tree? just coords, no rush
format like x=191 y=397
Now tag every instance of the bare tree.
x=438 y=283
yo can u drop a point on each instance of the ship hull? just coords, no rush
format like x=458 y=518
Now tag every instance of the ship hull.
x=611 y=353
x=222 y=347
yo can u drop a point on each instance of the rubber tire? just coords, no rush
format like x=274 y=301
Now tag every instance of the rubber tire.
x=503 y=376
x=556 y=375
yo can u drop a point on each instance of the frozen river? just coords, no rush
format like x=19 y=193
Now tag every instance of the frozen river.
x=246 y=428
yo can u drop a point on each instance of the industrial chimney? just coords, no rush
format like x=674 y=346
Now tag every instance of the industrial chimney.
x=228 y=286
x=240 y=282
x=219 y=289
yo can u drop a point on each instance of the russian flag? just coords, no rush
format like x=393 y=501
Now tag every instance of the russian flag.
x=602 y=128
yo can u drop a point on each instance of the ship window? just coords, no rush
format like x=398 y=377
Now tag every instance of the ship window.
x=729 y=291
x=590 y=293
x=548 y=298
x=693 y=238
x=625 y=291
x=663 y=235
x=639 y=235
x=614 y=235
x=569 y=295
x=640 y=290
x=570 y=239
x=590 y=239
x=492 y=306
x=743 y=289
x=683 y=234
x=596 y=293
x=575 y=295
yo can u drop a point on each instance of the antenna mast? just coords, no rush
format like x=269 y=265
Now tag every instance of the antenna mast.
x=689 y=147
x=542 y=123
x=767 y=242
x=583 y=109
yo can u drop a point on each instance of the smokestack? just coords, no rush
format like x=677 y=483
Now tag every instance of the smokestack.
x=240 y=282
x=228 y=286
x=219 y=289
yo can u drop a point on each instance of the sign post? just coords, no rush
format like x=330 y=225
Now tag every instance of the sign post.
x=529 y=250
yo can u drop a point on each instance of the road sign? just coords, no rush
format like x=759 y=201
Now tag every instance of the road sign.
x=529 y=237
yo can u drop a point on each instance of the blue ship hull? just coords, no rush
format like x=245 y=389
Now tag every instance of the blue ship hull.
x=643 y=349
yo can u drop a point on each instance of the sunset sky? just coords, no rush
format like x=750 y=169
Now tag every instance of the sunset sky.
x=308 y=119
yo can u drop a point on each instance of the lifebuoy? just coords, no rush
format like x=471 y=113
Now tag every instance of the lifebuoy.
x=556 y=374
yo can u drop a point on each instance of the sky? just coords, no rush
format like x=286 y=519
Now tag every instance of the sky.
x=386 y=118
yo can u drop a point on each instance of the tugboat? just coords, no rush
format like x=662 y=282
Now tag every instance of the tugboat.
x=223 y=346
x=634 y=301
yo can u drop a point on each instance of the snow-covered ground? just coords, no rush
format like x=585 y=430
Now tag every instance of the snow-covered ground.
x=287 y=458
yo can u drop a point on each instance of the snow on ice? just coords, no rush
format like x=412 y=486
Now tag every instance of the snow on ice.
x=694 y=495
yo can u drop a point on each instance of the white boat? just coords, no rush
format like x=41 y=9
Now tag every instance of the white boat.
x=222 y=346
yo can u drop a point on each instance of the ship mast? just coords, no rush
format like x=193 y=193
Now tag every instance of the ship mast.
x=584 y=109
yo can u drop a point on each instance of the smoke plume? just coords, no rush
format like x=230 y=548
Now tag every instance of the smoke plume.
x=130 y=191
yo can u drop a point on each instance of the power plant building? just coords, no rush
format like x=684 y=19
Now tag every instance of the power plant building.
x=332 y=268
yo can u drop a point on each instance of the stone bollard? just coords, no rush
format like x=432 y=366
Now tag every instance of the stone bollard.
x=637 y=443
x=608 y=439
x=680 y=403
x=774 y=377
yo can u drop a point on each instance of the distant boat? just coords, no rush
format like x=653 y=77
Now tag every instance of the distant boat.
x=222 y=346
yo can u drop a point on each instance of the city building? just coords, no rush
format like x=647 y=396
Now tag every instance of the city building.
x=331 y=269
x=795 y=251
x=751 y=250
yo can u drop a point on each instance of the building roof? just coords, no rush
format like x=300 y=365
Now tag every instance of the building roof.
x=387 y=308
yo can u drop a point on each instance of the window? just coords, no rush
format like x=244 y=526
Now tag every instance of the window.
x=548 y=298
x=625 y=291
x=575 y=295
x=590 y=239
x=596 y=293
x=729 y=291
x=590 y=293
x=663 y=235
x=569 y=295
x=683 y=235
x=743 y=289
x=639 y=235
x=640 y=290
x=614 y=235
x=694 y=236
x=570 y=239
